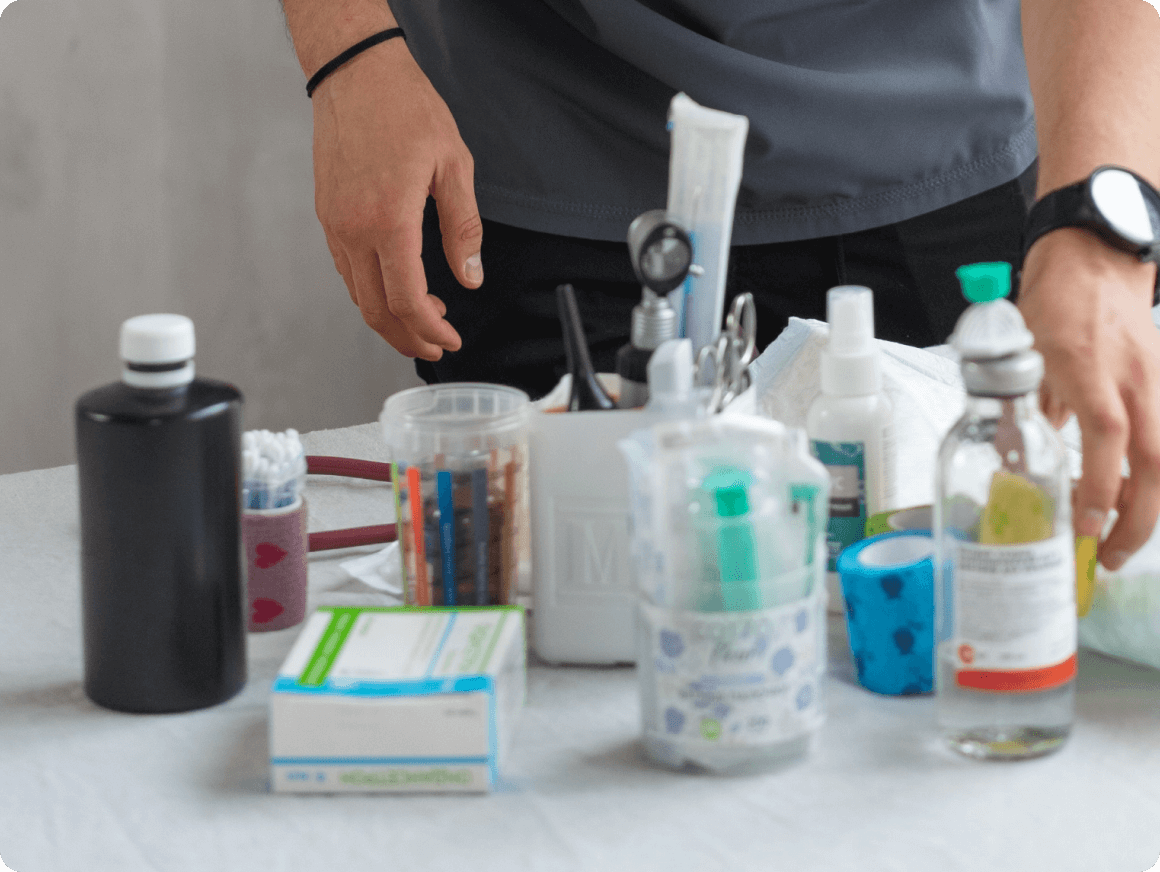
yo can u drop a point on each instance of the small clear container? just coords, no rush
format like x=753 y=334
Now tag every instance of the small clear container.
x=728 y=523
x=459 y=456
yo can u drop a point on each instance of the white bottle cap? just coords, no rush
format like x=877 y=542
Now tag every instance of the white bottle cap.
x=850 y=365
x=670 y=370
x=157 y=351
x=987 y=331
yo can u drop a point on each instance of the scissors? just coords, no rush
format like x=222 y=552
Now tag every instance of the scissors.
x=726 y=360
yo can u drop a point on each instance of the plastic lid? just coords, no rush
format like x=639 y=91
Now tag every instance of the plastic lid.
x=850 y=359
x=152 y=339
x=991 y=330
x=453 y=420
x=732 y=501
x=670 y=370
x=730 y=489
x=992 y=327
x=984 y=282
x=991 y=338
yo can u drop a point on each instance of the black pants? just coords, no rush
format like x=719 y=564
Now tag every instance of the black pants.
x=511 y=331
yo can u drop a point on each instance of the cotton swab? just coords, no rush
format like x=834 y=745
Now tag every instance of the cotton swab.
x=274 y=468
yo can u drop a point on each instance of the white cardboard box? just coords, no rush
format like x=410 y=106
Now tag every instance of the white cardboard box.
x=397 y=700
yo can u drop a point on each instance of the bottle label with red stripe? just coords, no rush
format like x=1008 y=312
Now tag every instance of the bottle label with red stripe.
x=1014 y=615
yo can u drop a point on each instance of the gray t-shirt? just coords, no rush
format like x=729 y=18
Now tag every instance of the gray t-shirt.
x=861 y=112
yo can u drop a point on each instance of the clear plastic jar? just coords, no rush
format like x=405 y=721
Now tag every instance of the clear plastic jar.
x=728 y=538
x=459 y=455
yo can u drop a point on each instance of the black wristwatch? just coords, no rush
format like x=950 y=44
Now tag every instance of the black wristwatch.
x=1113 y=203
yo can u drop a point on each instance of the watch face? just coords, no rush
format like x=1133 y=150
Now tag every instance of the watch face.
x=1126 y=206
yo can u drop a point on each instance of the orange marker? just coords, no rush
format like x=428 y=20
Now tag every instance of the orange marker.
x=415 y=497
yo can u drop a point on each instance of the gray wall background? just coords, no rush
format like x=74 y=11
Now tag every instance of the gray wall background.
x=155 y=155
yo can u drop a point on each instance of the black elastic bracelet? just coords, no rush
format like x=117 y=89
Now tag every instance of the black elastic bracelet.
x=356 y=49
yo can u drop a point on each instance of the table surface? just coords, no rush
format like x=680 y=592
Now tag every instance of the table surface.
x=82 y=788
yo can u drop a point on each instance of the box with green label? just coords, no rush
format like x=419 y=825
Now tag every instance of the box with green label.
x=399 y=700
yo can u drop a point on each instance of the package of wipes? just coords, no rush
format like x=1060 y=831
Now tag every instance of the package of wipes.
x=398 y=700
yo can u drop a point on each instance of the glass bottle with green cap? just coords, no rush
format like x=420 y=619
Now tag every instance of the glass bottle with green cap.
x=1005 y=622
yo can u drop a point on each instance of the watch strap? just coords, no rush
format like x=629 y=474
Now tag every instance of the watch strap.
x=1072 y=206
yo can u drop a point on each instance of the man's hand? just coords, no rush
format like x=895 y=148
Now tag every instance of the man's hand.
x=1095 y=73
x=1090 y=310
x=383 y=141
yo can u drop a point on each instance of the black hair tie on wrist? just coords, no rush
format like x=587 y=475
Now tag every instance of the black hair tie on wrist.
x=356 y=49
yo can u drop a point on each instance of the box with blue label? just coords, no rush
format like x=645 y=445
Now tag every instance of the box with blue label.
x=399 y=700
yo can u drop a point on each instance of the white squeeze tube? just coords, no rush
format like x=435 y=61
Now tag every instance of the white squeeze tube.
x=704 y=175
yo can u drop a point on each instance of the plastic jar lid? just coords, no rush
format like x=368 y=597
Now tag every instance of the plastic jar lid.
x=452 y=419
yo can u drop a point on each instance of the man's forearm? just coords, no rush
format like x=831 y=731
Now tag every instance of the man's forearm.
x=1094 y=67
x=322 y=29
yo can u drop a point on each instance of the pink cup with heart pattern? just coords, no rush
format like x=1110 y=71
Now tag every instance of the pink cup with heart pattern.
x=276 y=549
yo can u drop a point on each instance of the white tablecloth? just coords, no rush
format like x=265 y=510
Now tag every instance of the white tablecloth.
x=82 y=788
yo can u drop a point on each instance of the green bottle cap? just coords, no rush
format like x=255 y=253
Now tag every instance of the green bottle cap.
x=984 y=282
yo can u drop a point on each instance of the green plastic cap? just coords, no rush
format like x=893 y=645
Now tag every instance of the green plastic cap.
x=732 y=501
x=730 y=489
x=984 y=282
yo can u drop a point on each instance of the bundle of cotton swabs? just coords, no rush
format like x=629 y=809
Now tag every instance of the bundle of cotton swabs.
x=274 y=467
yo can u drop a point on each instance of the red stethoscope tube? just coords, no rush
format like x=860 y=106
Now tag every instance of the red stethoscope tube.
x=328 y=540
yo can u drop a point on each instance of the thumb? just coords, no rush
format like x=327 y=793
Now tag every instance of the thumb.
x=459 y=224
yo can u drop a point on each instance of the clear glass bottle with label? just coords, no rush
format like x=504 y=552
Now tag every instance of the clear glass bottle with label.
x=1005 y=619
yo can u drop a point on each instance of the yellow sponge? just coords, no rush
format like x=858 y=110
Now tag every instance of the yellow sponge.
x=1085 y=573
x=1017 y=511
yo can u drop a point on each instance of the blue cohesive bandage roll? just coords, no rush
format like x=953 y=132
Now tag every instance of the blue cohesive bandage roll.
x=888 y=586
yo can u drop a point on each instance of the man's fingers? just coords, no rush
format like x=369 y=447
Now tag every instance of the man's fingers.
x=1103 y=424
x=405 y=288
x=1139 y=502
x=342 y=264
x=454 y=190
x=372 y=303
x=1054 y=409
x=390 y=289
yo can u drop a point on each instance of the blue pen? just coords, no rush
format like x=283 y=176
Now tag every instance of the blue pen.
x=446 y=534
x=685 y=290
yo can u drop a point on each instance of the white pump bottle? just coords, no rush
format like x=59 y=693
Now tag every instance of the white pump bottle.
x=850 y=426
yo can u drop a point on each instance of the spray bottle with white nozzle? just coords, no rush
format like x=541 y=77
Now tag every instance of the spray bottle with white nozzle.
x=850 y=425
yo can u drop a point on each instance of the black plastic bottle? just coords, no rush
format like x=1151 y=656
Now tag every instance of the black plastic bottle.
x=162 y=567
